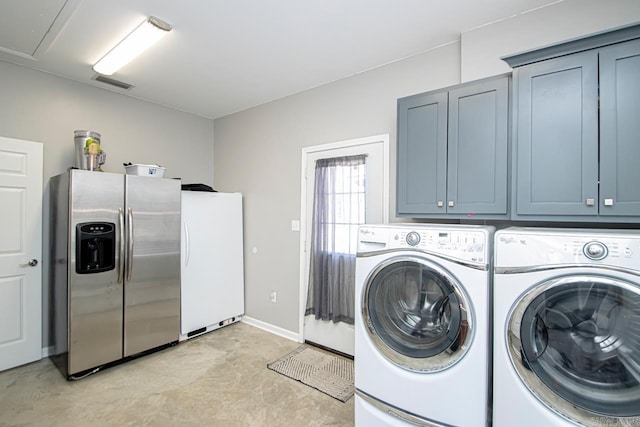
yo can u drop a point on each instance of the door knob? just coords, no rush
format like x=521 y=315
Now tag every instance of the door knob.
x=31 y=263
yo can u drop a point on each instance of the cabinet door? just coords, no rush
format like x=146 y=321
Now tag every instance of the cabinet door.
x=620 y=129
x=556 y=163
x=422 y=154
x=477 y=149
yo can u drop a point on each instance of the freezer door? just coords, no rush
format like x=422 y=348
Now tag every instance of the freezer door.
x=152 y=273
x=94 y=293
x=212 y=264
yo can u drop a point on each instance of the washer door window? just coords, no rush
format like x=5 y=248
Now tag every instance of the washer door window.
x=416 y=314
x=578 y=337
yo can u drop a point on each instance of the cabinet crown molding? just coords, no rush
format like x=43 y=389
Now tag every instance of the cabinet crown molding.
x=579 y=44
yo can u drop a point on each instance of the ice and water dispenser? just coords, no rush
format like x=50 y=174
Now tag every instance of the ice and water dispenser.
x=95 y=247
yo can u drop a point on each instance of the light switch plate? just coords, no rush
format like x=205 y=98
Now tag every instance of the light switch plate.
x=295 y=225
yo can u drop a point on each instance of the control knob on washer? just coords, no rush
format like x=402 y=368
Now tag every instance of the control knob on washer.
x=413 y=238
x=595 y=250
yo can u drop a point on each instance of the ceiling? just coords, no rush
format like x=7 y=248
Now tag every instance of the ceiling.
x=224 y=56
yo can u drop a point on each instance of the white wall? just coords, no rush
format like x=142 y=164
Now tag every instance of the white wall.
x=258 y=151
x=483 y=47
x=42 y=107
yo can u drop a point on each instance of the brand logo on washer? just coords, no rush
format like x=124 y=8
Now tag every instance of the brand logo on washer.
x=509 y=240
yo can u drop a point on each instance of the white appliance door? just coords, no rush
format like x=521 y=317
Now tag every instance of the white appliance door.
x=574 y=338
x=367 y=414
x=94 y=296
x=417 y=314
x=212 y=259
x=152 y=274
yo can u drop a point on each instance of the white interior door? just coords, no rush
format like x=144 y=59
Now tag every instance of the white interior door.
x=340 y=336
x=20 y=252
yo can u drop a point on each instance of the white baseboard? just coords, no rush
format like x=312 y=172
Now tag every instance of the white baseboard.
x=290 y=335
x=47 y=351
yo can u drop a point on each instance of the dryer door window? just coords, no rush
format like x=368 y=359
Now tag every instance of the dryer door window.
x=580 y=337
x=417 y=314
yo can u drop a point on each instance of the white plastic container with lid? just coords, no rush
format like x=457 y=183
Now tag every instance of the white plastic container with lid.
x=145 y=170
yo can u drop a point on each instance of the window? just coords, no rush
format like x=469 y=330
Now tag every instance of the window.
x=343 y=201
x=338 y=210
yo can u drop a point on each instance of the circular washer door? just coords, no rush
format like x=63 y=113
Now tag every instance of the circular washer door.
x=578 y=338
x=417 y=314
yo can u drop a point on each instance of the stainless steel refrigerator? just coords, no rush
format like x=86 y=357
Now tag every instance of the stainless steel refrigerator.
x=115 y=267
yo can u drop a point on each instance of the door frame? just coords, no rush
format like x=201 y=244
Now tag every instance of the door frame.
x=306 y=151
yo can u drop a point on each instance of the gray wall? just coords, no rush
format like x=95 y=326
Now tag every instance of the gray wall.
x=258 y=151
x=42 y=107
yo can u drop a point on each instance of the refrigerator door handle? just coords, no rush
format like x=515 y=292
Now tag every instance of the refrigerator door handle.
x=129 y=243
x=121 y=261
x=187 y=244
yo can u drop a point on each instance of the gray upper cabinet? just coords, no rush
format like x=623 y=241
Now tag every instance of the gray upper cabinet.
x=620 y=129
x=556 y=156
x=452 y=151
x=422 y=153
x=477 y=149
x=576 y=127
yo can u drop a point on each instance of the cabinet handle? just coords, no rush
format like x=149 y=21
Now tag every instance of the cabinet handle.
x=608 y=202
x=440 y=203
x=450 y=203
x=591 y=202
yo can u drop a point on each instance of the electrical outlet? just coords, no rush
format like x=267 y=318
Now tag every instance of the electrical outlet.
x=272 y=296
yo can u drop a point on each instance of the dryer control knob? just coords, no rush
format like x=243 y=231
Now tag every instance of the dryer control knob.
x=413 y=238
x=595 y=250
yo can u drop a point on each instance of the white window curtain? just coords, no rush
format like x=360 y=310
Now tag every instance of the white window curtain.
x=338 y=210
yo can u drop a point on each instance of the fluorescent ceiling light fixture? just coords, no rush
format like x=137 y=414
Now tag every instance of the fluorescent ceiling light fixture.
x=139 y=40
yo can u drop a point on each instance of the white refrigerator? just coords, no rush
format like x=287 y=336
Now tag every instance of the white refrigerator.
x=212 y=273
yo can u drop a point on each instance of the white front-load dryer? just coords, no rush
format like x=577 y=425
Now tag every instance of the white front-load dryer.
x=566 y=328
x=422 y=325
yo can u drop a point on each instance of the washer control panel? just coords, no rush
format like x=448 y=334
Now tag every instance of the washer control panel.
x=465 y=245
x=468 y=243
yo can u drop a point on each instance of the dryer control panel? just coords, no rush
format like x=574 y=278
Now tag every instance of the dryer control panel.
x=524 y=247
x=468 y=244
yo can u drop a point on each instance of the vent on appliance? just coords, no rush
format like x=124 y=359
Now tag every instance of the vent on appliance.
x=112 y=82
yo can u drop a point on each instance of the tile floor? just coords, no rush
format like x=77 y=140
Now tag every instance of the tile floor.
x=218 y=379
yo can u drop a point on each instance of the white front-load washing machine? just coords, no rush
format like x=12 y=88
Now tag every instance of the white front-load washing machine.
x=566 y=328
x=422 y=328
